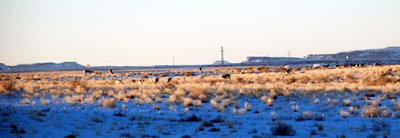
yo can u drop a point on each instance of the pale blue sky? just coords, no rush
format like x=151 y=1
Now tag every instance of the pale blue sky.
x=151 y=32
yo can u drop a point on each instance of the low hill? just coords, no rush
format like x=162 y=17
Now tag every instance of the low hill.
x=369 y=54
x=47 y=66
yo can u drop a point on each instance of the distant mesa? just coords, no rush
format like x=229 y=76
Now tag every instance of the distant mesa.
x=389 y=55
x=48 y=66
x=3 y=67
x=374 y=54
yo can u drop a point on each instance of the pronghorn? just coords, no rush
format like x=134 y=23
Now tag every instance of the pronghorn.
x=226 y=76
x=110 y=71
x=157 y=79
x=88 y=71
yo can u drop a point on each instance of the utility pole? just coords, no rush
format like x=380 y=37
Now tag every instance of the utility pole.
x=222 y=55
x=290 y=60
x=76 y=64
x=173 y=61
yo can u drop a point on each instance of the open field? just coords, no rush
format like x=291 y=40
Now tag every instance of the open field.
x=253 y=102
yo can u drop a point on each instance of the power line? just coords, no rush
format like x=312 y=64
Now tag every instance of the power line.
x=151 y=57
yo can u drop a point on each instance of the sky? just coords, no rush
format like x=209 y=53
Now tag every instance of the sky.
x=166 y=32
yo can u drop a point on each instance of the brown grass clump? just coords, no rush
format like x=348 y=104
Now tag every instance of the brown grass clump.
x=371 y=111
x=172 y=99
x=109 y=103
x=89 y=100
x=266 y=84
x=187 y=102
x=217 y=106
x=6 y=86
x=346 y=102
x=247 y=106
x=396 y=105
x=97 y=94
x=198 y=93
x=43 y=101
x=197 y=103
x=344 y=114
x=26 y=101
x=267 y=100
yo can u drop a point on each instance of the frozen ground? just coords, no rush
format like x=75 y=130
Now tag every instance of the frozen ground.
x=320 y=114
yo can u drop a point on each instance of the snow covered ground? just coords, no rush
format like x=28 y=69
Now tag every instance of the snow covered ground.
x=323 y=114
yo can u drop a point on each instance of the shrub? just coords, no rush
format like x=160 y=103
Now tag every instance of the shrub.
x=313 y=132
x=344 y=114
x=282 y=129
x=16 y=130
x=396 y=105
x=371 y=111
x=320 y=127
x=217 y=106
x=187 y=102
x=197 y=103
x=109 y=103
x=26 y=101
x=214 y=129
x=346 y=102
x=172 y=99
x=6 y=86
x=192 y=118
x=96 y=119
x=379 y=125
x=247 y=106
x=384 y=112
x=267 y=100
x=89 y=100
x=295 y=108
x=43 y=101
x=307 y=115
x=274 y=116
x=319 y=117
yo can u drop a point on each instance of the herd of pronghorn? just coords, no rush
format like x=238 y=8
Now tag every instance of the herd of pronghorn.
x=287 y=69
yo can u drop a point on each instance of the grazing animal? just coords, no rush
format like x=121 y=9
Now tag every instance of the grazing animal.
x=287 y=69
x=141 y=81
x=169 y=79
x=88 y=71
x=110 y=71
x=226 y=76
x=157 y=79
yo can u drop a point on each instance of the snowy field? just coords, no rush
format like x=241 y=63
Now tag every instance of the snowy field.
x=315 y=115
x=238 y=112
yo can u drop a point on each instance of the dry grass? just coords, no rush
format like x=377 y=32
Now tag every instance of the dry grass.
x=371 y=111
x=187 y=102
x=77 y=88
x=344 y=114
x=7 y=86
x=109 y=103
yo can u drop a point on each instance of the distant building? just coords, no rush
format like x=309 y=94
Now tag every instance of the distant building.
x=267 y=60
x=321 y=56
